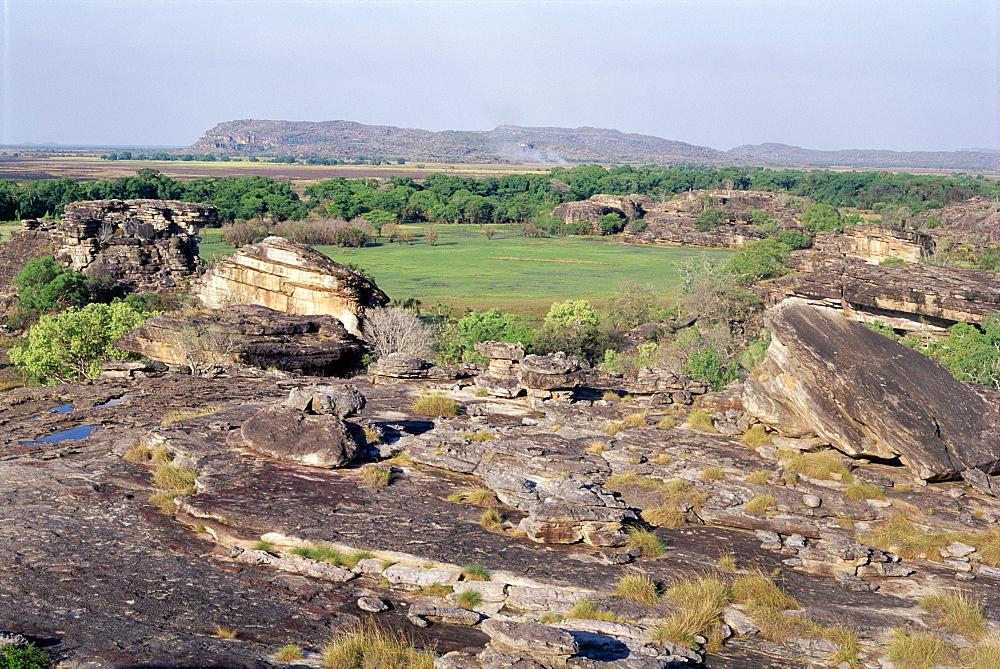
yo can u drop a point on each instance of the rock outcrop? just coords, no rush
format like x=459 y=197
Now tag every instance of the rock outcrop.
x=292 y=278
x=511 y=373
x=140 y=244
x=918 y=298
x=251 y=335
x=290 y=435
x=873 y=243
x=869 y=396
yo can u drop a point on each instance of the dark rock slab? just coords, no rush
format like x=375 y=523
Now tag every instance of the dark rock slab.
x=869 y=396
x=287 y=434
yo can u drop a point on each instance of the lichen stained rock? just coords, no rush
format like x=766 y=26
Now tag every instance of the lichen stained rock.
x=291 y=278
x=869 y=396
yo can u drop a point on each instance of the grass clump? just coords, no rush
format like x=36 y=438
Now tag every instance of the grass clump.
x=368 y=646
x=757 y=477
x=221 y=632
x=766 y=603
x=790 y=478
x=709 y=474
x=850 y=646
x=468 y=599
x=861 y=491
x=289 y=652
x=491 y=519
x=476 y=572
x=637 y=588
x=957 y=613
x=27 y=656
x=401 y=459
x=610 y=396
x=265 y=546
x=823 y=465
x=984 y=655
x=666 y=423
x=898 y=535
x=376 y=477
x=635 y=419
x=586 y=609
x=171 y=481
x=698 y=605
x=651 y=545
x=550 y=618
x=678 y=497
x=178 y=415
x=435 y=590
x=480 y=435
x=435 y=404
x=759 y=505
x=331 y=555
x=700 y=420
x=597 y=448
x=755 y=436
x=918 y=650
x=475 y=495
x=727 y=562
x=613 y=427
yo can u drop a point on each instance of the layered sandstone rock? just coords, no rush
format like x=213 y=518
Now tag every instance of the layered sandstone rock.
x=869 y=396
x=288 y=434
x=142 y=243
x=292 y=278
x=873 y=243
x=253 y=335
x=919 y=298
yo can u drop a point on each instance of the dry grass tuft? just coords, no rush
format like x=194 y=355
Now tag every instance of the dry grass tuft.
x=586 y=609
x=637 y=588
x=918 y=650
x=476 y=572
x=756 y=436
x=759 y=505
x=468 y=599
x=224 y=633
x=699 y=605
x=957 y=613
x=376 y=477
x=666 y=423
x=178 y=415
x=435 y=404
x=727 y=562
x=709 y=474
x=850 y=646
x=613 y=427
x=898 y=535
x=678 y=497
x=700 y=420
x=823 y=465
x=758 y=477
x=861 y=491
x=597 y=447
x=475 y=495
x=984 y=655
x=289 y=652
x=491 y=519
x=367 y=646
x=635 y=420
x=651 y=545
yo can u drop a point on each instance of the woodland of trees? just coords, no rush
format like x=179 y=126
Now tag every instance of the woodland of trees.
x=515 y=198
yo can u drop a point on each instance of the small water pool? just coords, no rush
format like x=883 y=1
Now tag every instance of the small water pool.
x=79 y=432
x=115 y=401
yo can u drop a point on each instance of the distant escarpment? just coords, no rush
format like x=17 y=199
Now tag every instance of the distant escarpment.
x=348 y=139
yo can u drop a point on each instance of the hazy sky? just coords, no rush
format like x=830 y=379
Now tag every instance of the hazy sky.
x=825 y=74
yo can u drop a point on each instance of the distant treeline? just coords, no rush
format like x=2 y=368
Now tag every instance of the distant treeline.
x=515 y=198
x=289 y=160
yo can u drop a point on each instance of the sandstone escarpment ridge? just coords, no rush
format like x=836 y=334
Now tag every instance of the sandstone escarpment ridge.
x=291 y=278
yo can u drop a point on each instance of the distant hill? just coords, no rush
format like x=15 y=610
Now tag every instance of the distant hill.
x=347 y=139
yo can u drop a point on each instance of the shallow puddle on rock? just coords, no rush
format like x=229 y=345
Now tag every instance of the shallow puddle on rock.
x=115 y=401
x=79 y=432
x=62 y=408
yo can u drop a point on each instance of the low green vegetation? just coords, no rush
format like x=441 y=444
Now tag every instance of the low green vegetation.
x=476 y=572
x=331 y=556
x=435 y=404
x=646 y=540
x=637 y=588
x=368 y=646
x=27 y=656
x=588 y=610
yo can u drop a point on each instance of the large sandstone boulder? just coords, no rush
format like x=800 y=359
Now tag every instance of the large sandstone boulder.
x=292 y=278
x=869 y=396
x=252 y=335
x=287 y=434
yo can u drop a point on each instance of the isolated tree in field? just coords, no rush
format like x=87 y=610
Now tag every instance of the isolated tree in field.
x=405 y=236
x=379 y=219
x=489 y=231
x=397 y=330
x=71 y=345
x=431 y=236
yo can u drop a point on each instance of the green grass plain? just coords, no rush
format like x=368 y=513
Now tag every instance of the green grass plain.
x=510 y=272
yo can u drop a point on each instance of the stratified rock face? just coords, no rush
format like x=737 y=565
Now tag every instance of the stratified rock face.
x=921 y=298
x=869 y=396
x=290 y=435
x=139 y=242
x=290 y=277
x=253 y=335
x=873 y=243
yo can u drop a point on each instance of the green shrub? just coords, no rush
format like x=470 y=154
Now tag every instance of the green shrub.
x=71 y=345
x=587 y=610
x=43 y=286
x=651 y=545
x=476 y=572
x=23 y=657
x=468 y=599
x=757 y=261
